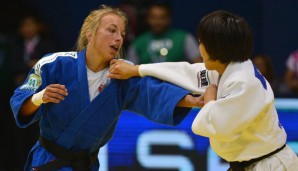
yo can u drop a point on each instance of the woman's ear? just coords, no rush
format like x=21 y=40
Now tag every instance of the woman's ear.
x=89 y=35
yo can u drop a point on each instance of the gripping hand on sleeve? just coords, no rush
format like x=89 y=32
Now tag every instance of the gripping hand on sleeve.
x=210 y=94
x=119 y=69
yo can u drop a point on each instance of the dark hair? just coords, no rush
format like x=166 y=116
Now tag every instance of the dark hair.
x=226 y=37
x=164 y=4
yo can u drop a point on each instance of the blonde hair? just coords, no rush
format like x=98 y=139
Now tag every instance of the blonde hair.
x=92 y=20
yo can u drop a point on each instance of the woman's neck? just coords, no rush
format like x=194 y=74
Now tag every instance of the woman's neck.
x=95 y=62
x=221 y=69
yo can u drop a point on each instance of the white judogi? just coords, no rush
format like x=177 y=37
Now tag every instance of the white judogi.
x=242 y=123
x=193 y=77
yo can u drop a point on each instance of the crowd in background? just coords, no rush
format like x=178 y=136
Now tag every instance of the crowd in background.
x=17 y=56
x=150 y=38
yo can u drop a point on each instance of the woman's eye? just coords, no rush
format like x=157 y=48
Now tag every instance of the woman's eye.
x=112 y=30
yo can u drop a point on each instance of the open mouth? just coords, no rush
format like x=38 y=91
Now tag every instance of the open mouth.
x=115 y=47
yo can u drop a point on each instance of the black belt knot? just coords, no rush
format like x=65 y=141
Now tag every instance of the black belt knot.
x=78 y=161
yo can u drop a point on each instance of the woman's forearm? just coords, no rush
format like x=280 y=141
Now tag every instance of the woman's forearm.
x=190 y=101
x=53 y=93
x=28 y=108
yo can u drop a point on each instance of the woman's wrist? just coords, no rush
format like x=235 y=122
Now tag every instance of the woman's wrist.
x=135 y=71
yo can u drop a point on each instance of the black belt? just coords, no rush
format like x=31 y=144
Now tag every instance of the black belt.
x=79 y=160
x=239 y=166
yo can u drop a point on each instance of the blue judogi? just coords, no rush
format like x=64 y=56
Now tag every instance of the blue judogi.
x=78 y=124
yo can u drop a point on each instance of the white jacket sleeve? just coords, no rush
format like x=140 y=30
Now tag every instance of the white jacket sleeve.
x=227 y=117
x=193 y=77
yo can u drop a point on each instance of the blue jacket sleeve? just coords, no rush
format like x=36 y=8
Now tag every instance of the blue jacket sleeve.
x=156 y=100
x=21 y=94
x=36 y=81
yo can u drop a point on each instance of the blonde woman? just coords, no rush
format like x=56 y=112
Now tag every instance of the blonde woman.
x=78 y=107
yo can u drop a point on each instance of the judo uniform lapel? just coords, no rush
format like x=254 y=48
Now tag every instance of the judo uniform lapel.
x=107 y=111
x=100 y=106
x=84 y=101
x=83 y=80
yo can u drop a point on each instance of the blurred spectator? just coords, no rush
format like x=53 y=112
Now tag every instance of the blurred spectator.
x=132 y=14
x=162 y=43
x=32 y=45
x=136 y=11
x=291 y=76
x=7 y=123
x=265 y=66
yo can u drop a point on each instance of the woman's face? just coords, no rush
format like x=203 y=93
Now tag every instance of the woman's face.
x=206 y=58
x=211 y=64
x=108 y=38
x=29 y=28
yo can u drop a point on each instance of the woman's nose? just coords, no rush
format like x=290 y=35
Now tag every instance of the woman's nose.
x=118 y=36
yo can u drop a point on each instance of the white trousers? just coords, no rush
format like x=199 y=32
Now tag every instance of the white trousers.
x=284 y=160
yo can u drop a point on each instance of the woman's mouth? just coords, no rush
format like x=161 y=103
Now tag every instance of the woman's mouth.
x=114 y=48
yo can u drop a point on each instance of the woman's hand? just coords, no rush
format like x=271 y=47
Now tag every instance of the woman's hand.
x=120 y=69
x=210 y=93
x=54 y=93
